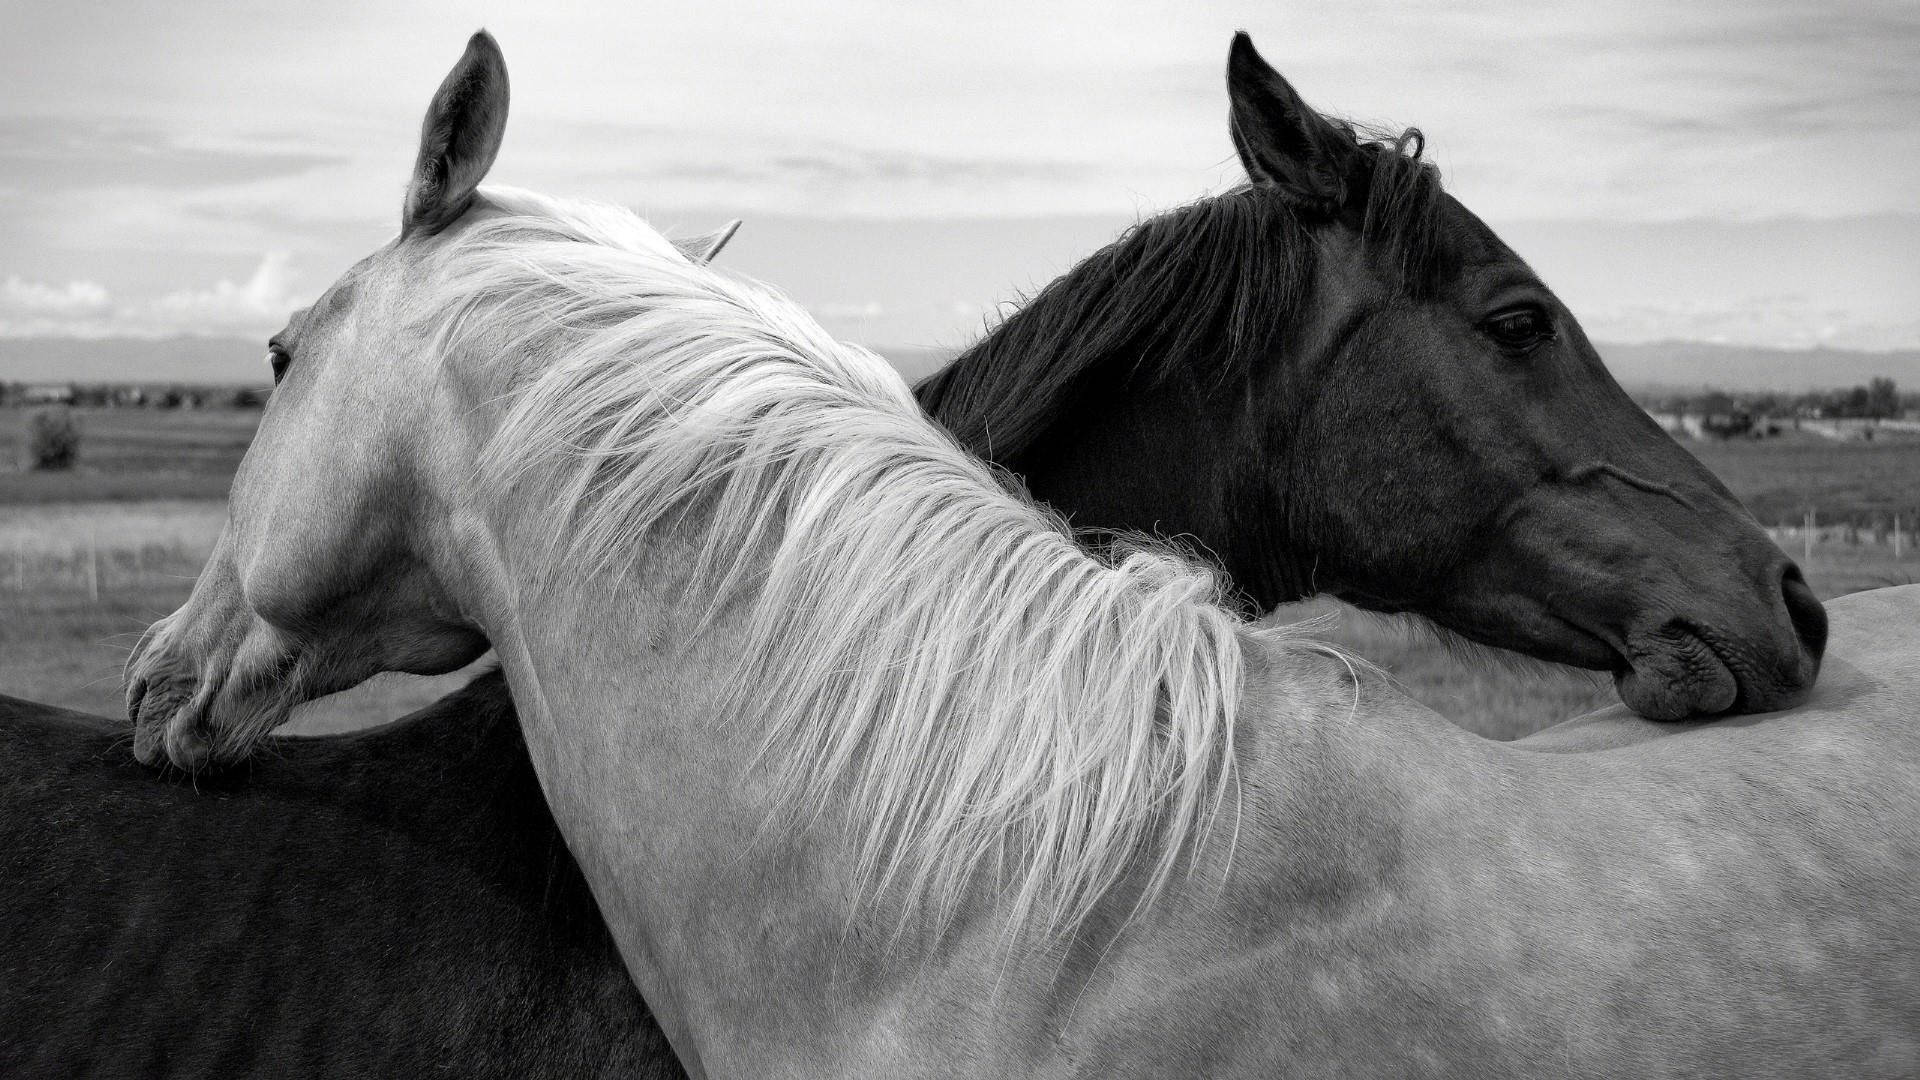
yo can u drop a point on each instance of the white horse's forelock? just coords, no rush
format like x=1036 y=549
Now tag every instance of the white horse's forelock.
x=991 y=699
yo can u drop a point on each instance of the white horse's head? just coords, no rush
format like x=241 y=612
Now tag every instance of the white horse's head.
x=334 y=562
x=328 y=570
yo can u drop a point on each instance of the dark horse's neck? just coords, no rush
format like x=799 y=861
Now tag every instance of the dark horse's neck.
x=1112 y=392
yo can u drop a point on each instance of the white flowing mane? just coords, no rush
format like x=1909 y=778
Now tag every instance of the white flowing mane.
x=988 y=696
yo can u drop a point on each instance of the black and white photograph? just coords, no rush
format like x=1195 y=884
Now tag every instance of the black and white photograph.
x=1158 y=539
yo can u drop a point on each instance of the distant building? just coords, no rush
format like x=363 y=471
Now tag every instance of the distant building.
x=1684 y=425
x=1859 y=429
x=47 y=394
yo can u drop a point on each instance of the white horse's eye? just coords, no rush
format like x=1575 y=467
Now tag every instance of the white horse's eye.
x=278 y=358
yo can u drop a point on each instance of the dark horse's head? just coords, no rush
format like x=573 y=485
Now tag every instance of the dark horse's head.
x=1338 y=379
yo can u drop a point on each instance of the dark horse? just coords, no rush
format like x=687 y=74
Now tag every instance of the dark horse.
x=1334 y=378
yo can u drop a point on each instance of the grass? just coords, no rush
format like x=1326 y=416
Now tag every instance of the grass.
x=1781 y=478
x=89 y=559
x=1495 y=694
x=132 y=454
x=80 y=581
x=60 y=644
x=61 y=647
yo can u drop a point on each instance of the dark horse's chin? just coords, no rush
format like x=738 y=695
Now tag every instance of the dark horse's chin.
x=1675 y=669
x=1688 y=679
x=1683 y=675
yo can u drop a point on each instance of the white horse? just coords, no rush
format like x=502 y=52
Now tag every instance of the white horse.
x=876 y=773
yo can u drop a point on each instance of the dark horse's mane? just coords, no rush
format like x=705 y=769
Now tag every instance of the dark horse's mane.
x=1206 y=289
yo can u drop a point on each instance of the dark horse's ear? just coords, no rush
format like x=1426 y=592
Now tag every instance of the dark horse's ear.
x=1282 y=141
x=458 y=139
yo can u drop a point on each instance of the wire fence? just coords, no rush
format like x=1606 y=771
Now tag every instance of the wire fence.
x=88 y=565
x=1894 y=533
x=97 y=569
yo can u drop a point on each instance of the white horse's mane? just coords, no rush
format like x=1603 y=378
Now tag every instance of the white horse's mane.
x=990 y=698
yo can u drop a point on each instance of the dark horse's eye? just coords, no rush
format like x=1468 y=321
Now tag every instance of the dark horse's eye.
x=279 y=357
x=1519 y=330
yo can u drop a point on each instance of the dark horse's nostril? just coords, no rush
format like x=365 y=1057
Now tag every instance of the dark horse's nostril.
x=1809 y=617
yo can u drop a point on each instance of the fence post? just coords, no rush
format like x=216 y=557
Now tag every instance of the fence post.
x=1807 y=535
x=93 y=566
x=1896 y=536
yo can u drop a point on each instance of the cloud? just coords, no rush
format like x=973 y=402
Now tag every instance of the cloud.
x=260 y=302
x=165 y=149
x=42 y=153
x=33 y=298
x=1775 y=321
x=871 y=309
x=888 y=177
x=85 y=309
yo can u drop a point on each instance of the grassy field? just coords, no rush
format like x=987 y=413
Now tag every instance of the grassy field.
x=89 y=559
x=133 y=454
x=60 y=647
x=1780 y=479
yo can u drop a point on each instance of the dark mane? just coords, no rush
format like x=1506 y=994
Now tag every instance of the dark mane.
x=1206 y=290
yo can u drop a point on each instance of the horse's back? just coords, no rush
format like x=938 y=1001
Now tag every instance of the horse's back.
x=1726 y=898
x=382 y=903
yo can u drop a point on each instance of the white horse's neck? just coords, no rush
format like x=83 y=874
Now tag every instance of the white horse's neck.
x=737 y=919
x=973 y=712
x=984 y=695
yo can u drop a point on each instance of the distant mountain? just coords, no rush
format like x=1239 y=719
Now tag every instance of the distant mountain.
x=133 y=360
x=915 y=364
x=1696 y=365
x=1664 y=365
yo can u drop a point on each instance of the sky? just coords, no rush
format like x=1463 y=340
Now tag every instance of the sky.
x=1732 y=171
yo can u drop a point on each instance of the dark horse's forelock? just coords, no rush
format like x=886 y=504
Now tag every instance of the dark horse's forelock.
x=1205 y=291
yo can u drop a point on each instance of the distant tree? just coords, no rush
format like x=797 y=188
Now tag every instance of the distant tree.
x=1851 y=402
x=1725 y=425
x=53 y=439
x=1715 y=402
x=1883 y=398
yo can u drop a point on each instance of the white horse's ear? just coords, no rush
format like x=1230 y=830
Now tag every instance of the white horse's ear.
x=702 y=249
x=459 y=138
